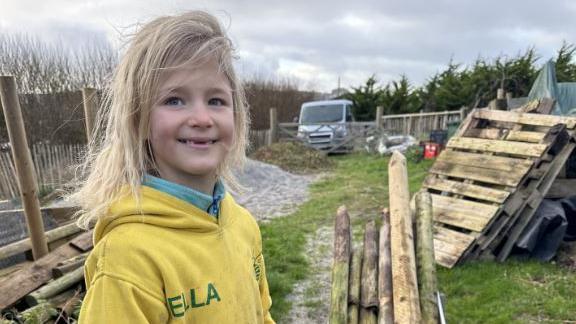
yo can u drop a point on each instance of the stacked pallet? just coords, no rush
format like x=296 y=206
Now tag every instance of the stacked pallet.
x=50 y=287
x=488 y=183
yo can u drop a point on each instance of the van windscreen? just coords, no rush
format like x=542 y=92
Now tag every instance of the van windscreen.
x=322 y=114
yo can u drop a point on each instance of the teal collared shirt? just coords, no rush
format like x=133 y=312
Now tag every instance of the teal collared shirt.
x=210 y=204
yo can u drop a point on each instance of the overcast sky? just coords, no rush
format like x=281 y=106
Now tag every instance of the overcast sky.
x=315 y=42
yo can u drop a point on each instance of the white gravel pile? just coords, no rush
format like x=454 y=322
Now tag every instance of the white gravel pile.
x=271 y=192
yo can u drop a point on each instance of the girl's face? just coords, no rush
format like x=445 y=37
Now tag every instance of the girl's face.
x=192 y=125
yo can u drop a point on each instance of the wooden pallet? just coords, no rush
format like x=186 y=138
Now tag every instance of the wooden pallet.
x=490 y=180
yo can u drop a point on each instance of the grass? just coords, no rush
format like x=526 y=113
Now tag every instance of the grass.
x=477 y=292
x=512 y=292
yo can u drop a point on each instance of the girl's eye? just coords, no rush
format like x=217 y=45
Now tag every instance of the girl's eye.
x=174 y=101
x=216 y=102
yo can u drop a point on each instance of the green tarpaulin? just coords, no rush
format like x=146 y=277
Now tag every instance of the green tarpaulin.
x=546 y=86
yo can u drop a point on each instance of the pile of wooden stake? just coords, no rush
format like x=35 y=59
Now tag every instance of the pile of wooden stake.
x=392 y=279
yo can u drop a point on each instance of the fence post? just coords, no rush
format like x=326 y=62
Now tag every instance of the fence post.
x=405 y=285
x=501 y=103
x=379 y=113
x=425 y=259
x=90 y=109
x=462 y=113
x=24 y=166
x=340 y=268
x=273 y=136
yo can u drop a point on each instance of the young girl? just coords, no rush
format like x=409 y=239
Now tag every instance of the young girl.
x=170 y=244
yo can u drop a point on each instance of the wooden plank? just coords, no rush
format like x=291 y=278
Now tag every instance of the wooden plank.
x=485 y=133
x=486 y=161
x=505 y=178
x=449 y=245
x=495 y=146
x=466 y=189
x=462 y=213
x=524 y=136
x=525 y=118
x=20 y=283
x=562 y=188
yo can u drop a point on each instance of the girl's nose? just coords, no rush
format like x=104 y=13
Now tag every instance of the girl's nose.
x=200 y=116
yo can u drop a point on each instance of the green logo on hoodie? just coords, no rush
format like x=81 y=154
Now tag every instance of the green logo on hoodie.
x=180 y=304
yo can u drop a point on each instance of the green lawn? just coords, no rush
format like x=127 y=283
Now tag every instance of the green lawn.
x=513 y=292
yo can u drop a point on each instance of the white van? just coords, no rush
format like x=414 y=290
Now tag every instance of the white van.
x=322 y=124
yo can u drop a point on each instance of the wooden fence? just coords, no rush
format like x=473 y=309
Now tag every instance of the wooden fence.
x=258 y=138
x=416 y=124
x=419 y=124
x=52 y=164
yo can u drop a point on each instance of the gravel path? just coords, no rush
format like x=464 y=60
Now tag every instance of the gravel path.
x=272 y=193
x=311 y=297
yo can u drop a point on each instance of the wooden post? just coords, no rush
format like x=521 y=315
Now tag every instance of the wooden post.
x=90 y=98
x=55 y=287
x=421 y=125
x=354 y=286
x=24 y=165
x=462 y=113
x=51 y=236
x=369 y=282
x=273 y=135
x=404 y=281
x=501 y=103
x=386 y=312
x=340 y=268
x=425 y=259
x=379 y=113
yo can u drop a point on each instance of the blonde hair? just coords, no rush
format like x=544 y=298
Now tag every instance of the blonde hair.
x=118 y=157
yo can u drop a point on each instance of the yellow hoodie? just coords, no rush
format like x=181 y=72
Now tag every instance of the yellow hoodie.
x=174 y=263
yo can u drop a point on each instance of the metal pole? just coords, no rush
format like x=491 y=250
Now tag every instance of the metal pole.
x=24 y=166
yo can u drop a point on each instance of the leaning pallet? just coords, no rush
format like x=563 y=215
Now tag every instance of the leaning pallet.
x=392 y=279
x=488 y=183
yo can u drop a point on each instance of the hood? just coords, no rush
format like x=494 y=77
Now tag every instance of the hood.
x=160 y=209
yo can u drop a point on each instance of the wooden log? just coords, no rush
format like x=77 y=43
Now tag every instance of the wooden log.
x=24 y=165
x=425 y=259
x=39 y=313
x=404 y=281
x=51 y=236
x=386 y=309
x=340 y=268
x=369 y=282
x=55 y=287
x=26 y=280
x=66 y=266
x=354 y=286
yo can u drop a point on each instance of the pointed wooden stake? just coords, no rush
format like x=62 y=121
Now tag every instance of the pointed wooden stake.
x=340 y=268
x=404 y=280
x=425 y=259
